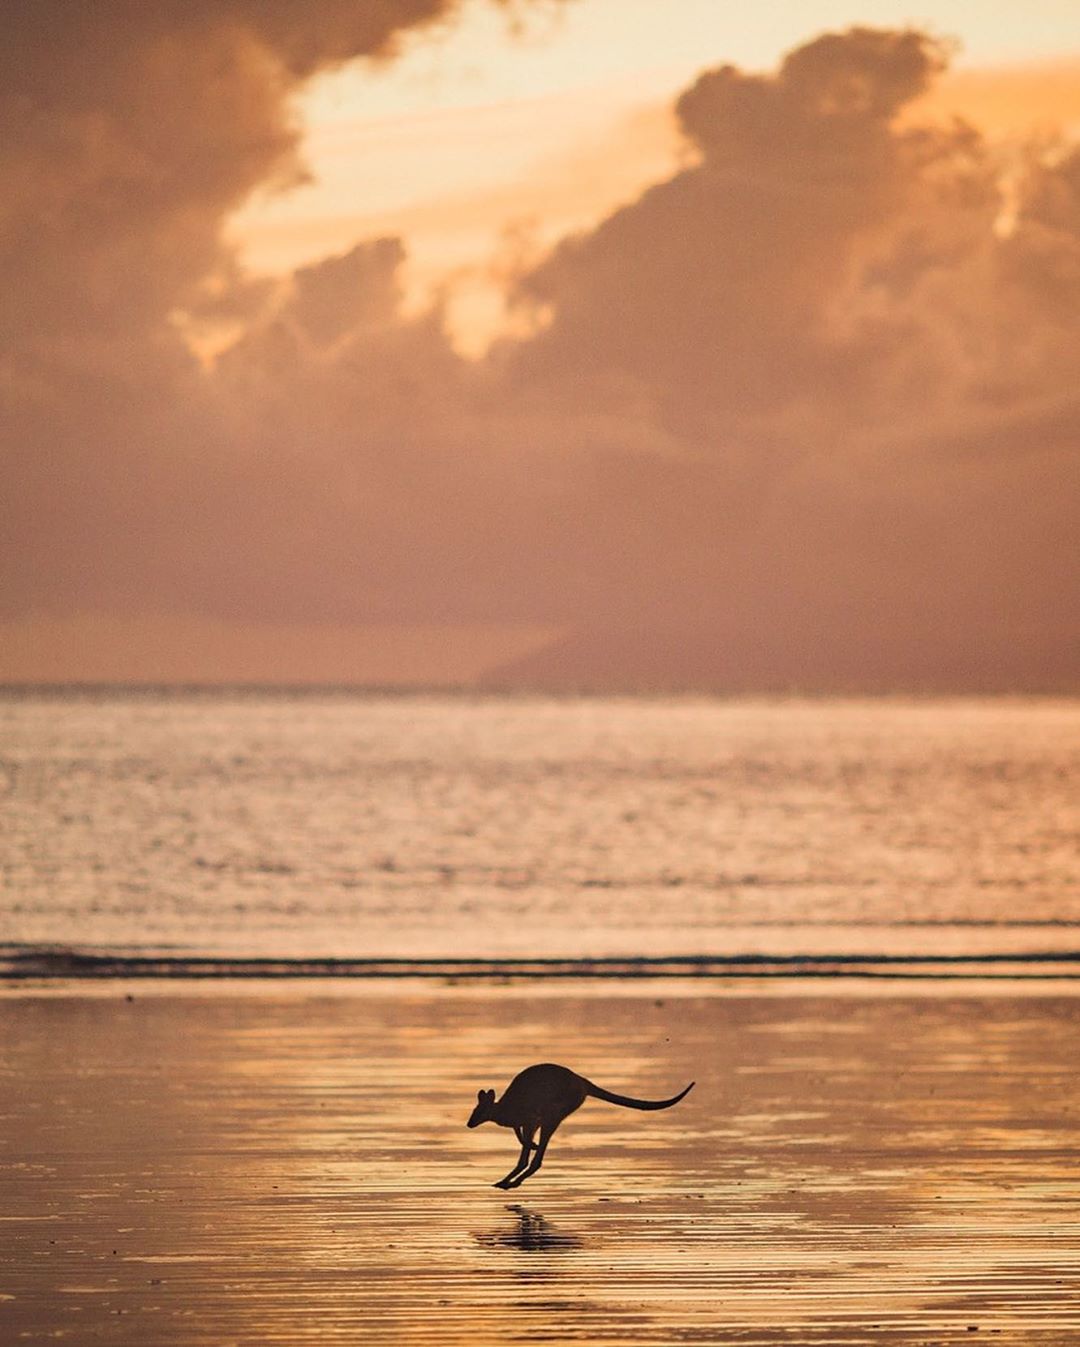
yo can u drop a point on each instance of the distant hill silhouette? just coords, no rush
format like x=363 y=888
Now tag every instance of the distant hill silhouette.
x=667 y=658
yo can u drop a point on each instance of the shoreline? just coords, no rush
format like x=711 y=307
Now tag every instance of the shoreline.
x=75 y=965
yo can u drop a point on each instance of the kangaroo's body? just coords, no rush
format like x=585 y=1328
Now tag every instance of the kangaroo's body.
x=536 y=1101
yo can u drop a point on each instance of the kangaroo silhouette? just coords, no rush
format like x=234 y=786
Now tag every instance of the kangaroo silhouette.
x=539 y=1099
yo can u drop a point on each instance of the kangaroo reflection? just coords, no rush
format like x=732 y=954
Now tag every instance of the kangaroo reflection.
x=531 y=1234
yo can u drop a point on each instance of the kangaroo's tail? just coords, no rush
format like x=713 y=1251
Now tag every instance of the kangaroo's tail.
x=626 y=1102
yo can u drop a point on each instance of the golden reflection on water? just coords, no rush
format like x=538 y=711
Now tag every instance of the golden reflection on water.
x=291 y=1166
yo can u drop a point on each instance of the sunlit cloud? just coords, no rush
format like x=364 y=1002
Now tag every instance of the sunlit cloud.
x=780 y=385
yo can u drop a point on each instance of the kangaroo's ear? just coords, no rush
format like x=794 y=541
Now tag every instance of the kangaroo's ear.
x=480 y=1095
x=489 y=1096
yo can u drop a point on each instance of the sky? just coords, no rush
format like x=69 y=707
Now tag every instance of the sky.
x=581 y=343
x=468 y=136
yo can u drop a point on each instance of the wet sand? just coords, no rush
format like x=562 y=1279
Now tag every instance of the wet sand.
x=272 y=1163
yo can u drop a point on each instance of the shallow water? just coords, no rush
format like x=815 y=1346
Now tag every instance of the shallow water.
x=365 y=825
x=272 y=1166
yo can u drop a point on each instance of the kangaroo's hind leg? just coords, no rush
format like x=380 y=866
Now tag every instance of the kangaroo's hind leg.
x=524 y=1135
x=520 y=1175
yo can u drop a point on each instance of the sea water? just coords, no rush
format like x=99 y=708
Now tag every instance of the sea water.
x=341 y=824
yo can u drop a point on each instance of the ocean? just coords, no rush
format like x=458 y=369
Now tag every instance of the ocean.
x=881 y=1141
x=342 y=825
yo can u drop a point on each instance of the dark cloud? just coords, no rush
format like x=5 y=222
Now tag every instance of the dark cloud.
x=870 y=377
x=129 y=131
x=716 y=287
x=803 y=413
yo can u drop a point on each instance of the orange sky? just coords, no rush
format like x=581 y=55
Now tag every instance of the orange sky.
x=476 y=134
x=601 y=341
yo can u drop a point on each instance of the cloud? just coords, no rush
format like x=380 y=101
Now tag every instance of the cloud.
x=715 y=285
x=129 y=133
x=802 y=412
x=871 y=383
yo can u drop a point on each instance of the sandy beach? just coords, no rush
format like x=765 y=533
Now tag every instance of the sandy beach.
x=288 y=1163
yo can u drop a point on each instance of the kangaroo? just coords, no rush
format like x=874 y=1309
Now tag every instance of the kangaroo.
x=541 y=1097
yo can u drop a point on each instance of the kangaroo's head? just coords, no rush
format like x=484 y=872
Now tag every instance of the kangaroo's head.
x=485 y=1100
